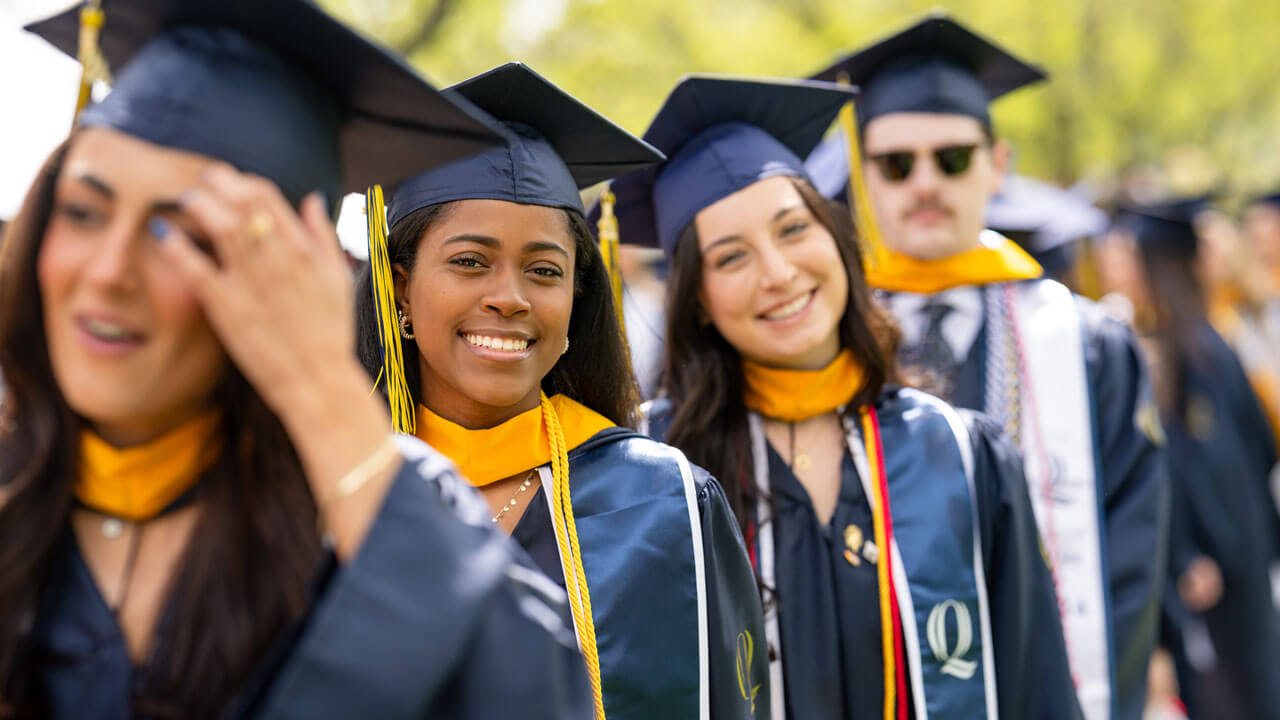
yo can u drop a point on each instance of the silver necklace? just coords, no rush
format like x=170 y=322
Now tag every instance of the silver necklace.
x=512 y=502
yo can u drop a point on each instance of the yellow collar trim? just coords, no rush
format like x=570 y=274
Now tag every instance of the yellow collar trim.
x=137 y=483
x=996 y=259
x=795 y=395
x=518 y=445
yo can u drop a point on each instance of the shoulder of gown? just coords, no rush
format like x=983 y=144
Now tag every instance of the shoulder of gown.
x=438 y=615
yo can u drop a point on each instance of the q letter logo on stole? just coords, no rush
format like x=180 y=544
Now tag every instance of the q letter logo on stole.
x=745 y=655
x=952 y=658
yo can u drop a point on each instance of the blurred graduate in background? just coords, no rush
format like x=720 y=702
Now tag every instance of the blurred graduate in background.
x=1243 y=283
x=1221 y=623
x=1262 y=231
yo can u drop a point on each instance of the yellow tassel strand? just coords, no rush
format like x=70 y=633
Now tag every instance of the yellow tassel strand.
x=571 y=552
x=92 y=62
x=388 y=318
x=864 y=215
x=607 y=227
x=883 y=564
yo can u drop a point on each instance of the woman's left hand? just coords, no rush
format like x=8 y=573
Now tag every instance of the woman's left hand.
x=1201 y=584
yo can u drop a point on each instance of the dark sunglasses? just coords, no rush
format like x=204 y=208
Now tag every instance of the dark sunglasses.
x=952 y=161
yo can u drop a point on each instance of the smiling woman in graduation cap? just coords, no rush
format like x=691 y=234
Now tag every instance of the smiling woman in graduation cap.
x=492 y=318
x=1225 y=531
x=187 y=422
x=892 y=534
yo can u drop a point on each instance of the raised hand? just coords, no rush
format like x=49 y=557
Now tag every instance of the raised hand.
x=276 y=289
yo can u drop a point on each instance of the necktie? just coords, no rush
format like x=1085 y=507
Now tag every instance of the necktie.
x=933 y=356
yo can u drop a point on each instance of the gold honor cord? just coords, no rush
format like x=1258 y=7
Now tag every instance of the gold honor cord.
x=571 y=552
x=864 y=216
x=93 y=65
x=607 y=226
x=387 y=318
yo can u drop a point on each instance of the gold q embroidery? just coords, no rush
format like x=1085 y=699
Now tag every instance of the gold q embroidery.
x=745 y=654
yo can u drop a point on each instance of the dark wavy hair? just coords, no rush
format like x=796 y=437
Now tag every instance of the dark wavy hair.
x=596 y=371
x=1181 y=311
x=703 y=376
x=245 y=573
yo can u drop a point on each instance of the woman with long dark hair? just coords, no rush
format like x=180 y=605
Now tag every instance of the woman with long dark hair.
x=513 y=364
x=203 y=512
x=892 y=534
x=1225 y=533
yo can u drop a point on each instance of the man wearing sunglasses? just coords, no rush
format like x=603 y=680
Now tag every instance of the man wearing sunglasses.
x=986 y=331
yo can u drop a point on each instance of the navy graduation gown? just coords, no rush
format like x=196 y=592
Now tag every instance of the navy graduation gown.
x=1220 y=455
x=641 y=638
x=829 y=608
x=437 y=616
x=1131 y=482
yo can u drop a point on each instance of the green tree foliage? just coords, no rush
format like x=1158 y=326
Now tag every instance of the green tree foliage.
x=1190 y=86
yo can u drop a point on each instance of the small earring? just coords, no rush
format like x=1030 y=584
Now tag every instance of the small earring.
x=406 y=330
x=566 y=346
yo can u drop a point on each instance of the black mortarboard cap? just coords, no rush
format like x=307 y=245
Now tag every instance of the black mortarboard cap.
x=556 y=146
x=935 y=66
x=721 y=134
x=1169 y=224
x=274 y=87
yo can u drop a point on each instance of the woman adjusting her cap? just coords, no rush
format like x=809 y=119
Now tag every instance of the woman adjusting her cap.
x=186 y=423
x=491 y=301
x=892 y=534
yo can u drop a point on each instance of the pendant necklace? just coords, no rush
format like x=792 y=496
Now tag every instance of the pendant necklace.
x=113 y=528
x=801 y=461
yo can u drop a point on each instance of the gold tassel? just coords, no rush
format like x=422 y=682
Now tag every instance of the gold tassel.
x=607 y=227
x=388 y=316
x=864 y=215
x=93 y=65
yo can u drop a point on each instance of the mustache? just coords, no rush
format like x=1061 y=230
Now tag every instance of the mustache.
x=930 y=204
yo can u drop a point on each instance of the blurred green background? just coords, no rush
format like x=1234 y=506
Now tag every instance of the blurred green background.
x=1183 y=91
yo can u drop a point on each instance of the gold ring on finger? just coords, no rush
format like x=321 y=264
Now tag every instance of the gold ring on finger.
x=259 y=226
